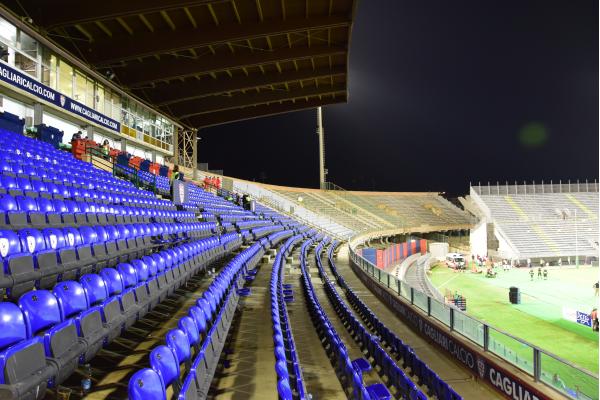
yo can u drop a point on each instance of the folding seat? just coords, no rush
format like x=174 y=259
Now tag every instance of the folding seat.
x=81 y=216
x=90 y=237
x=73 y=303
x=6 y=168
x=44 y=257
x=116 y=287
x=136 y=235
x=61 y=342
x=25 y=185
x=164 y=362
x=46 y=215
x=127 y=240
x=179 y=344
x=40 y=188
x=10 y=184
x=140 y=276
x=24 y=369
x=91 y=214
x=83 y=250
x=146 y=384
x=97 y=294
x=18 y=274
x=115 y=246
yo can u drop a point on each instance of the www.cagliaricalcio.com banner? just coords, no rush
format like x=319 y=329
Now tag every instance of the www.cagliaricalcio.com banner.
x=31 y=86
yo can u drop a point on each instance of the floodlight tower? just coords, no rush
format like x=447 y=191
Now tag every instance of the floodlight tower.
x=321 y=135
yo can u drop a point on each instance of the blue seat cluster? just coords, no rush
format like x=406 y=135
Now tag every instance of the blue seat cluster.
x=187 y=361
x=47 y=333
x=287 y=365
x=40 y=258
x=406 y=389
x=385 y=337
x=351 y=376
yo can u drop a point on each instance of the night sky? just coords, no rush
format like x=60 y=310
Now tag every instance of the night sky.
x=441 y=93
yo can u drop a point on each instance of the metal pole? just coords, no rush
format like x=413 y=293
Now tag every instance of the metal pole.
x=576 y=241
x=321 y=135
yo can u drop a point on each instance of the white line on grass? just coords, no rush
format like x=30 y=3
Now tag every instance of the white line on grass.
x=448 y=281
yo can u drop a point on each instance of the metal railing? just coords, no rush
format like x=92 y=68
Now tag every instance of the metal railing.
x=545 y=367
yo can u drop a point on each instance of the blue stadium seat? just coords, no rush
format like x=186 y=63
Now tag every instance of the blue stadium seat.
x=61 y=342
x=146 y=384
x=24 y=370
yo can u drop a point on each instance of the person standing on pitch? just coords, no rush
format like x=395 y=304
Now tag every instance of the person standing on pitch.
x=596 y=287
x=539 y=272
x=531 y=274
x=545 y=273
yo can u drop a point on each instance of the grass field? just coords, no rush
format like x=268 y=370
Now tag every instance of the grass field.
x=538 y=319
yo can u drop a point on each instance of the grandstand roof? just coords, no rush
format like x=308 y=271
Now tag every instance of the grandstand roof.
x=207 y=62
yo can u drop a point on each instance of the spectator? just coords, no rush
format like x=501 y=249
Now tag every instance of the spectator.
x=594 y=318
x=76 y=136
x=174 y=177
x=105 y=148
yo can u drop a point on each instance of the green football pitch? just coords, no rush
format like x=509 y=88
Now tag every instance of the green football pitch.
x=538 y=319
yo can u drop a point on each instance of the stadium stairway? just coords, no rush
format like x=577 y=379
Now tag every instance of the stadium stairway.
x=319 y=376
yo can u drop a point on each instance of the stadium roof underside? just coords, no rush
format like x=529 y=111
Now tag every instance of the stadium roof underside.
x=208 y=62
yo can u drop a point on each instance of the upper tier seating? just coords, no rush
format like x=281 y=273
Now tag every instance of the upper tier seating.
x=543 y=224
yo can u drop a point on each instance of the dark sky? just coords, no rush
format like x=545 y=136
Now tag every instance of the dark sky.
x=441 y=93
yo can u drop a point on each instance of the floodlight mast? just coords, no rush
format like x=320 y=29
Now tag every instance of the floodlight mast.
x=321 y=135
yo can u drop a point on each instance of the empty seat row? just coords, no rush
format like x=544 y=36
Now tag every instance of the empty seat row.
x=47 y=333
x=419 y=369
x=287 y=365
x=406 y=389
x=40 y=258
x=187 y=361
x=21 y=211
x=351 y=377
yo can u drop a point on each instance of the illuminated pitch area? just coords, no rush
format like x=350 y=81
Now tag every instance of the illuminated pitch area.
x=538 y=319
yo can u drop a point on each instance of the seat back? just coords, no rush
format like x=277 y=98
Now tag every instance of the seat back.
x=71 y=298
x=164 y=362
x=94 y=288
x=146 y=384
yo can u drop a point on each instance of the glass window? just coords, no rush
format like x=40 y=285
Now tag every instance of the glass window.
x=89 y=93
x=49 y=63
x=4 y=52
x=28 y=45
x=8 y=32
x=26 y=64
x=65 y=79
x=80 y=87
x=99 y=106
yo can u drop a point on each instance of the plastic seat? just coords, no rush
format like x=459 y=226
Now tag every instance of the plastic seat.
x=19 y=274
x=73 y=303
x=146 y=384
x=45 y=260
x=24 y=369
x=61 y=343
x=97 y=294
x=177 y=341
x=164 y=362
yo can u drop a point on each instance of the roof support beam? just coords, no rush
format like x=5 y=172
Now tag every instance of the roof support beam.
x=223 y=117
x=212 y=104
x=79 y=12
x=169 y=67
x=194 y=89
x=147 y=44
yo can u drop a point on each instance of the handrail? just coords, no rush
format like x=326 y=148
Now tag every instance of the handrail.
x=113 y=166
x=537 y=352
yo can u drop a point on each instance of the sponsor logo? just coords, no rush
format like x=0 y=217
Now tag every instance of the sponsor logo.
x=53 y=241
x=3 y=247
x=509 y=387
x=481 y=367
x=31 y=244
x=63 y=99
